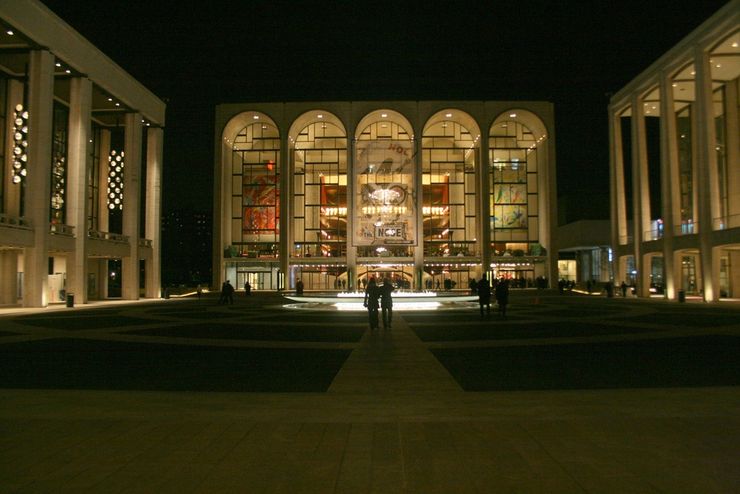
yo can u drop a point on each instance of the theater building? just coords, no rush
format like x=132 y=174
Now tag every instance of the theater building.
x=427 y=193
x=675 y=168
x=81 y=154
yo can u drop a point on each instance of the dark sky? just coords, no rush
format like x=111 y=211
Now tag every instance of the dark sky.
x=198 y=54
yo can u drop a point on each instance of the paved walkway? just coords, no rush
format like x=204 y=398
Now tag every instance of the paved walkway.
x=393 y=419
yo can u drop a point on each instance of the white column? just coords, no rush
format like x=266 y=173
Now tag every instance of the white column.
x=131 y=205
x=283 y=221
x=80 y=107
x=706 y=170
x=417 y=276
x=546 y=157
x=670 y=185
x=351 y=183
x=616 y=179
x=37 y=187
x=640 y=192
x=483 y=179
x=154 y=210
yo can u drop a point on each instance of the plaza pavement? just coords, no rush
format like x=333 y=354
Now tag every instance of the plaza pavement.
x=568 y=394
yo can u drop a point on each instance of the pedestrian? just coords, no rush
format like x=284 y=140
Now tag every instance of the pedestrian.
x=372 y=293
x=502 y=296
x=299 y=287
x=386 y=302
x=473 y=285
x=247 y=289
x=229 y=291
x=437 y=285
x=222 y=296
x=199 y=291
x=484 y=295
x=623 y=287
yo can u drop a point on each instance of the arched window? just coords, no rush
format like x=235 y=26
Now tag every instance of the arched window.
x=385 y=210
x=256 y=191
x=449 y=156
x=514 y=188
x=320 y=190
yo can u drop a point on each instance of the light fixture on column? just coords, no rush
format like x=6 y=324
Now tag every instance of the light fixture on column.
x=20 y=143
x=115 y=180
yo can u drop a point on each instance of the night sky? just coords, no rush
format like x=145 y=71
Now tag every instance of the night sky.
x=197 y=55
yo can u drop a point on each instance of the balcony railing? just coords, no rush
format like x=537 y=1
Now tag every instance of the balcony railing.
x=653 y=234
x=111 y=237
x=14 y=222
x=726 y=222
x=686 y=228
x=61 y=229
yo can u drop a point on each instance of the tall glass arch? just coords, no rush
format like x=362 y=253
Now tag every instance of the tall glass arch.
x=514 y=199
x=255 y=194
x=319 y=198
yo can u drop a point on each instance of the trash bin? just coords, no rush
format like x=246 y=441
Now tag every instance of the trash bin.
x=681 y=296
x=70 y=300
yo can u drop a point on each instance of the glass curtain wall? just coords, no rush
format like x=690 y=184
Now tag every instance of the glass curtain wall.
x=60 y=126
x=514 y=221
x=320 y=205
x=720 y=146
x=93 y=179
x=255 y=192
x=379 y=178
x=683 y=100
x=448 y=180
x=651 y=113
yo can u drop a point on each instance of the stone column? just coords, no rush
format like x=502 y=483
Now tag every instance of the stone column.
x=285 y=215
x=131 y=193
x=37 y=186
x=670 y=185
x=641 y=194
x=8 y=277
x=153 y=228
x=351 y=183
x=80 y=107
x=483 y=179
x=417 y=283
x=706 y=171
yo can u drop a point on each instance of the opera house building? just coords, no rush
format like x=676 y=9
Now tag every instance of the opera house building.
x=429 y=194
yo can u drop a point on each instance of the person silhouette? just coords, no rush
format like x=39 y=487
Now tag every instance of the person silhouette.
x=372 y=294
x=386 y=302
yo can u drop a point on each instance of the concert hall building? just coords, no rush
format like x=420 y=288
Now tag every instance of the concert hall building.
x=428 y=193
x=675 y=167
x=81 y=164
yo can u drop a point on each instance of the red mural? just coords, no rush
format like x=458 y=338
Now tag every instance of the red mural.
x=260 y=196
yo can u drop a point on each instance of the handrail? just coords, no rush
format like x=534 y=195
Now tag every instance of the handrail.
x=61 y=229
x=726 y=222
x=686 y=228
x=15 y=222
x=112 y=237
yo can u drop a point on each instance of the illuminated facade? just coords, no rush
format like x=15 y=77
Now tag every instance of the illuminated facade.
x=81 y=153
x=430 y=194
x=675 y=167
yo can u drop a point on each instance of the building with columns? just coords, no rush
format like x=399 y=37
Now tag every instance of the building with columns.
x=427 y=193
x=81 y=154
x=675 y=167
